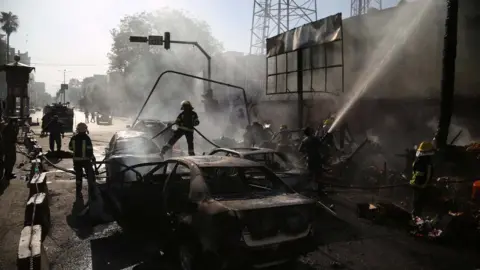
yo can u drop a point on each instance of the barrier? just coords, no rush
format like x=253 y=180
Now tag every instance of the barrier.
x=31 y=252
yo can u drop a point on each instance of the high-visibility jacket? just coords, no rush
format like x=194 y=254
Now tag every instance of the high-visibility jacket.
x=81 y=146
x=422 y=172
x=187 y=119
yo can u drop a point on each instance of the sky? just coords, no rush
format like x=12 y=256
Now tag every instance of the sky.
x=74 y=35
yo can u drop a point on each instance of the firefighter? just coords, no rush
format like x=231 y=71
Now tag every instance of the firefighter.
x=310 y=146
x=186 y=121
x=422 y=173
x=9 y=135
x=2 y=156
x=56 y=133
x=284 y=140
x=82 y=148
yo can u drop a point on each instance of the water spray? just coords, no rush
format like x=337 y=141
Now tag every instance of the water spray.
x=375 y=68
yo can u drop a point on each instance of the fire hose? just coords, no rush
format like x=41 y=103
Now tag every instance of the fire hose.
x=169 y=126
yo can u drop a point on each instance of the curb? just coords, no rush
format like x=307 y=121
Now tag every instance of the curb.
x=31 y=252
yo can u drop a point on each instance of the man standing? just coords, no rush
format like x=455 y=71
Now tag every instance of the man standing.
x=9 y=135
x=82 y=148
x=186 y=121
x=55 y=130
x=311 y=146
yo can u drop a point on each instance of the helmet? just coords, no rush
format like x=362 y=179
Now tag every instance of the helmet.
x=283 y=127
x=82 y=127
x=185 y=104
x=425 y=149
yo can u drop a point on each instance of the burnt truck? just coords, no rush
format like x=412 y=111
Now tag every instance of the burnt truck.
x=63 y=111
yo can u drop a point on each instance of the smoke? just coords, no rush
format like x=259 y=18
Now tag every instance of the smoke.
x=456 y=127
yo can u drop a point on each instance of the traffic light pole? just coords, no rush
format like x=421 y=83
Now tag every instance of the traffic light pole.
x=209 y=59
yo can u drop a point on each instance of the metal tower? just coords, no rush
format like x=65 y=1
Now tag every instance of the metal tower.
x=273 y=17
x=359 y=7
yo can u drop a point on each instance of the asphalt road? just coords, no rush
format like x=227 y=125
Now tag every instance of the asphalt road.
x=344 y=242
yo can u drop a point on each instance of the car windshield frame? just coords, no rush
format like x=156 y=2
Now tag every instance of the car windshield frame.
x=247 y=181
x=126 y=141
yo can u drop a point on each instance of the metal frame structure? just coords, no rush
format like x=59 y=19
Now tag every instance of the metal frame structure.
x=317 y=37
x=359 y=7
x=272 y=17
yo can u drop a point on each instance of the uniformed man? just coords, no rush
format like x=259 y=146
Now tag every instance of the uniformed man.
x=186 y=121
x=2 y=153
x=56 y=133
x=10 y=133
x=82 y=148
x=284 y=140
x=422 y=173
x=310 y=146
x=86 y=115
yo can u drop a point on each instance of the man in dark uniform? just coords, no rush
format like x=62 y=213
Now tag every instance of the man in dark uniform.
x=82 y=148
x=311 y=146
x=186 y=121
x=9 y=135
x=56 y=133
x=2 y=153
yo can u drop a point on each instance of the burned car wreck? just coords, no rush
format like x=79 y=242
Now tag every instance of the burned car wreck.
x=223 y=211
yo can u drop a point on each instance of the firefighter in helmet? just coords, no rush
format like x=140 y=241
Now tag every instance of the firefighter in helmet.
x=82 y=148
x=186 y=121
x=422 y=173
x=284 y=140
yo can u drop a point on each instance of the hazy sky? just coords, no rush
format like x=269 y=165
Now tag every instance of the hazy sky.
x=74 y=34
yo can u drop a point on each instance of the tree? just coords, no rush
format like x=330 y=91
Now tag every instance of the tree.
x=140 y=64
x=10 y=25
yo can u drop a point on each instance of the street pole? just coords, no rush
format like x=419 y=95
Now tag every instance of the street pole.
x=209 y=59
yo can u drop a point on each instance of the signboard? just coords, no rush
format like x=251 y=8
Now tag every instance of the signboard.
x=312 y=53
x=155 y=40
x=64 y=86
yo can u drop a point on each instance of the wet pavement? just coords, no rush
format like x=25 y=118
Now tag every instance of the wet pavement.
x=344 y=242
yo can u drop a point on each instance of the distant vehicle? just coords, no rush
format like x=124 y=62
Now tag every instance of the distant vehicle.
x=104 y=117
x=295 y=176
x=63 y=111
x=243 y=214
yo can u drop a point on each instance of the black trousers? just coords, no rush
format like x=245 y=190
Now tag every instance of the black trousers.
x=79 y=167
x=10 y=157
x=55 y=139
x=177 y=134
x=420 y=199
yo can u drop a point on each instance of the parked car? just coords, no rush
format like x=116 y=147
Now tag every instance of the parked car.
x=292 y=174
x=226 y=211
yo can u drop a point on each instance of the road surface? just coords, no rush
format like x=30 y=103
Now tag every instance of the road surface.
x=343 y=243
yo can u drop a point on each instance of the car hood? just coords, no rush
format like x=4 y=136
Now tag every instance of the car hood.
x=266 y=202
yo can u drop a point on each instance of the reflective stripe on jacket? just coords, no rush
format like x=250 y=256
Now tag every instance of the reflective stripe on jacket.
x=422 y=174
x=81 y=146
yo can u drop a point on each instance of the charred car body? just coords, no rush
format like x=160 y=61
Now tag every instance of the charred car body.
x=223 y=211
x=292 y=174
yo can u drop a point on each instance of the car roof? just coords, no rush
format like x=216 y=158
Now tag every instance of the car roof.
x=127 y=134
x=216 y=161
x=247 y=150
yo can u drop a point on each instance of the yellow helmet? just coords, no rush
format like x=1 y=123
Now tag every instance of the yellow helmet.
x=328 y=122
x=283 y=127
x=425 y=149
x=82 y=127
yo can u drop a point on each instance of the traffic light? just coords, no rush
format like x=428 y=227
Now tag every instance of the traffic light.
x=166 y=40
x=138 y=39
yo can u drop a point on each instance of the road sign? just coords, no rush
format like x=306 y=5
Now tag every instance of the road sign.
x=155 y=40
x=64 y=86
x=138 y=39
